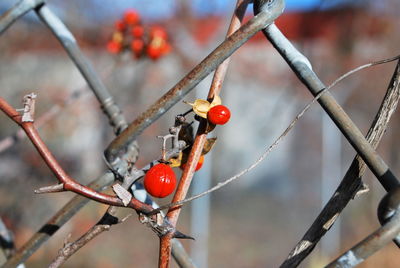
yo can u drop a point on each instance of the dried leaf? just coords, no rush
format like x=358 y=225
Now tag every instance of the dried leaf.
x=118 y=37
x=200 y=107
x=210 y=127
x=176 y=162
x=209 y=145
x=216 y=101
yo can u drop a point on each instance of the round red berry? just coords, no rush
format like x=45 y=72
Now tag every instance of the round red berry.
x=137 y=31
x=153 y=51
x=120 y=25
x=160 y=180
x=114 y=47
x=218 y=115
x=158 y=32
x=131 y=17
x=137 y=46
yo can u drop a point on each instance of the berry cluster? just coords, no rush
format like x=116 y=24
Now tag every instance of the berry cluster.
x=130 y=34
x=160 y=179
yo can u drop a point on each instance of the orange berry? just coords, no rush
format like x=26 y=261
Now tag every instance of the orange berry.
x=198 y=166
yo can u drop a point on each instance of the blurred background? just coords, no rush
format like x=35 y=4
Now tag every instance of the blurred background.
x=253 y=222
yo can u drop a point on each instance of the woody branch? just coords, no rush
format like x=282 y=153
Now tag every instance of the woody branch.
x=66 y=183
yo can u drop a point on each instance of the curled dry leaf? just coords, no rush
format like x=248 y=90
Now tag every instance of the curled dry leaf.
x=201 y=107
x=216 y=101
x=209 y=145
x=175 y=162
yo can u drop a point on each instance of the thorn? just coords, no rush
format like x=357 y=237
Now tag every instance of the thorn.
x=180 y=235
x=66 y=239
x=50 y=189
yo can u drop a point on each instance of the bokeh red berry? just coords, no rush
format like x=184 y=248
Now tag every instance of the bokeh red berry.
x=142 y=41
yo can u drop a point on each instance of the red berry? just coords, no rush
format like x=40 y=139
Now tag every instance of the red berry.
x=157 y=47
x=160 y=180
x=158 y=31
x=114 y=47
x=137 y=31
x=131 y=17
x=218 y=115
x=137 y=46
x=120 y=25
x=154 y=52
x=198 y=166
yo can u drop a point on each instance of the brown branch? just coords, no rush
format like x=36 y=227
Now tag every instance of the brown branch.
x=111 y=216
x=70 y=248
x=69 y=183
x=9 y=141
x=51 y=113
x=200 y=139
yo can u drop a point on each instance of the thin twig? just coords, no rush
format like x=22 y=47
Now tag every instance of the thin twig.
x=277 y=141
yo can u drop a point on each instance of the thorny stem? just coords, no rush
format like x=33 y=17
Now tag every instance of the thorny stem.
x=111 y=218
x=200 y=139
x=51 y=113
x=69 y=183
x=276 y=142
